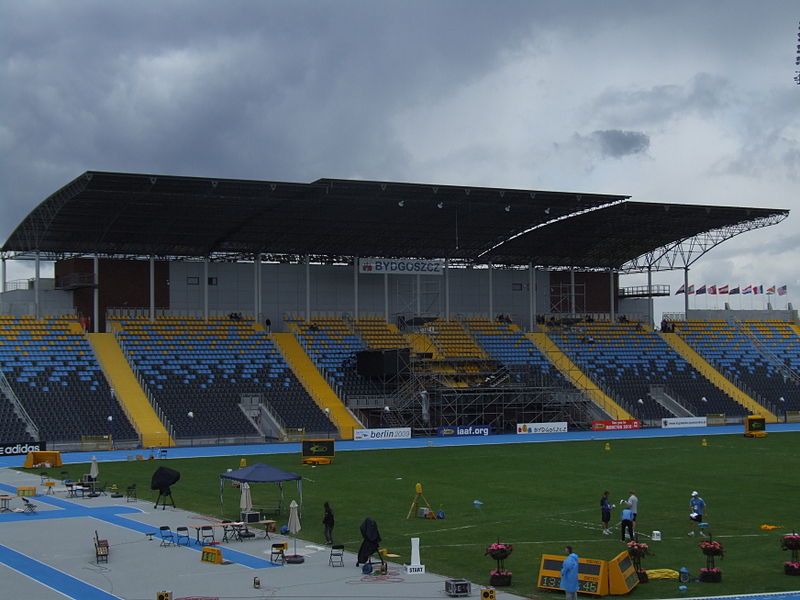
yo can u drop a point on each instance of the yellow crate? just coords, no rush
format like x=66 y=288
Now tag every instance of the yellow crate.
x=26 y=491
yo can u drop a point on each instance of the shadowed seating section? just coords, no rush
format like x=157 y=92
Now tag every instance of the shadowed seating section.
x=54 y=373
x=627 y=359
x=207 y=367
x=762 y=357
x=332 y=345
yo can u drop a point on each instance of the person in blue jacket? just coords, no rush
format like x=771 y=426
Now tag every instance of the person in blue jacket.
x=569 y=574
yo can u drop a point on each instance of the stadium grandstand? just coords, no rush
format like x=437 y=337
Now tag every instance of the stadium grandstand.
x=188 y=311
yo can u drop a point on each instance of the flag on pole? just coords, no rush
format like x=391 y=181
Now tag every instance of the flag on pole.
x=691 y=289
x=771 y=290
x=748 y=290
x=723 y=289
x=734 y=290
x=712 y=289
x=681 y=290
x=782 y=290
x=701 y=289
x=758 y=289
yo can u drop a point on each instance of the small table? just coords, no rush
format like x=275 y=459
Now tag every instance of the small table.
x=4 y=500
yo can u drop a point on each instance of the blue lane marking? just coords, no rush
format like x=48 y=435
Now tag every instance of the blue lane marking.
x=52 y=578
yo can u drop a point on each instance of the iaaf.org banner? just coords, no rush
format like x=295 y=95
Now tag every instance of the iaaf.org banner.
x=389 y=433
x=464 y=430
x=683 y=422
x=618 y=425
x=560 y=427
x=405 y=266
x=12 y=449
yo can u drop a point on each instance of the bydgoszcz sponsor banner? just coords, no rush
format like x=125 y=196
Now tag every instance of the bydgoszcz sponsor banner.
x=391 y=433
x=618 y=425
x=464 y=430
x=560 y=427
x=13 y=449
x=406 y=266
x=683 y=422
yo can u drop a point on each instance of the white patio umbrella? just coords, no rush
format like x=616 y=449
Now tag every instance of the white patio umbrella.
x=246 y=501
x=94 y=470
x=294 y=529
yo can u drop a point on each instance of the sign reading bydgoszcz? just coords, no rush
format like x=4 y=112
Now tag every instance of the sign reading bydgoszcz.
x=405 y=266
x=387 y=433
x=14 y=449
x=559 y=427
x=617 y=425
x=461 y=430
x=671 y=423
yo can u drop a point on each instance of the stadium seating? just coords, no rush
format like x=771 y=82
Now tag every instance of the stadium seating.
x=52 y=370
x=757 y=355
x=627 y=359
x=206 y=367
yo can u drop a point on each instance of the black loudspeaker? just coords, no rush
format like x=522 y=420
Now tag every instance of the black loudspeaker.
x=164 y=596
x=383 y=363
x=163 y=478
x=488 y=594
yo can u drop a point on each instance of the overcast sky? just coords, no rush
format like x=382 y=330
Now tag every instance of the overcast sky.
x=667 y=101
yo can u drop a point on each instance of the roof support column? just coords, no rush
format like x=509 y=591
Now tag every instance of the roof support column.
x=152 y=288
x=355 y=288
x=685 y=293
x=572 y=308
x=257 y=288
x=308 y=288
x=3 y=275
x=386 y=296
x=491 y=296
x=36 y=287
x=447 y=288
x=650 y=295
x=96 y=296
x=205 y=289
x=531 y=297
x=611 y=295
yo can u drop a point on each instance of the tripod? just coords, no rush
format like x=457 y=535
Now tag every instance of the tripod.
x=164 y=495
x=415 y=503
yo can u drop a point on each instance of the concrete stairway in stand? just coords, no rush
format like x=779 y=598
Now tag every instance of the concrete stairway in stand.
x=128 y=391
x=315 y=384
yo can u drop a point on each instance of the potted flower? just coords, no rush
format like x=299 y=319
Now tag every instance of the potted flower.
x=711 y=575
x=498 y=578
x=710 y=548
x=499 y=551
x=638 y=550
x=791 y=541
x=791 y=567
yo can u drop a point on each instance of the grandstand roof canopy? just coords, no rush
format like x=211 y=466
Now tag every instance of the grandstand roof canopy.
x=132 y=215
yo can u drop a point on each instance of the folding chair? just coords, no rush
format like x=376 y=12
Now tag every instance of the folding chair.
x=336 y=559
x=167 y=537
x=101 y=548
x=229 y=532
x=245 y=533
x=207 y=534
x=182 y=534
x=130 y=493
x=28 y=506
x=278 y=552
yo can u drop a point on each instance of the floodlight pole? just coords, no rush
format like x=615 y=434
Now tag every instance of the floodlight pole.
x=190 y=414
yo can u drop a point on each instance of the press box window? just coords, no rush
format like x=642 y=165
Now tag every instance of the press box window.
x=212 y=281
x=192 y=281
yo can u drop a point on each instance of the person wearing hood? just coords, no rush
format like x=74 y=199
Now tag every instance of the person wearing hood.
x=328 y=522
x=569 y=574
x=372 y=539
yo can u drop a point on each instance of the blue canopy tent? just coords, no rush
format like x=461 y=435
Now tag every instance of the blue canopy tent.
x=261 y=473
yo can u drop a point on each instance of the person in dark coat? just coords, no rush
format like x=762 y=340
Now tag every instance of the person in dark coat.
x=372 y=539
x=327 y=521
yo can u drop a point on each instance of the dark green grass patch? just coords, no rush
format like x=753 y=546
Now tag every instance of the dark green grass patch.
x=537 y=497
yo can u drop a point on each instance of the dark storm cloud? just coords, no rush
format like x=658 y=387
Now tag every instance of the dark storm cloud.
x=270 y=90
x=615 y=143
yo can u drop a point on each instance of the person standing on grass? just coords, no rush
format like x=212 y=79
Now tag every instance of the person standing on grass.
x=698 y=507
x=633 y=503
x=605 y=512
x=327 y=521
x=569 y=574
x=626 y=523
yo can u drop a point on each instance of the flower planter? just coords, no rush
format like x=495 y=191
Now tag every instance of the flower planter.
x=712 y=552
x=499 y=554
x=791 y=570
x=711 y=576
x=642 y=576
x=499 y=580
